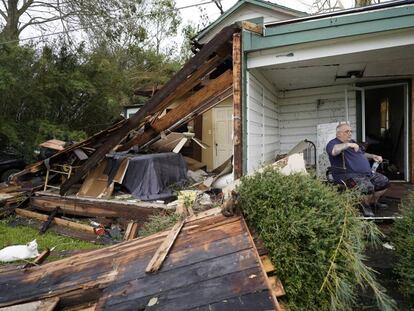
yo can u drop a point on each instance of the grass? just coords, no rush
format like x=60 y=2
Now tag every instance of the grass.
x=158 y=222
x=13 y=235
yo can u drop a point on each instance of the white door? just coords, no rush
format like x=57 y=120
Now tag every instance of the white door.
x=223 y=127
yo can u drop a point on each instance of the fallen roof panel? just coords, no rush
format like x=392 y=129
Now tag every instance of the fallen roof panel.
x=212 y=265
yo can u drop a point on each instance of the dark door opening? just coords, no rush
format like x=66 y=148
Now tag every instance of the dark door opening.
x=385 y=128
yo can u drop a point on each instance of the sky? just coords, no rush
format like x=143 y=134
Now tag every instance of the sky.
x=191 y=15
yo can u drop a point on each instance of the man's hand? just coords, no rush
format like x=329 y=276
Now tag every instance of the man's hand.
x=377 y=158
x=353 y=146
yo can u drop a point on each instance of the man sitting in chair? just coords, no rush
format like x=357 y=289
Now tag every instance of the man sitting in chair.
x=350 y=165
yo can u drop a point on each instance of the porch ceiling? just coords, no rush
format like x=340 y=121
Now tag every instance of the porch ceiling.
x=376 y=65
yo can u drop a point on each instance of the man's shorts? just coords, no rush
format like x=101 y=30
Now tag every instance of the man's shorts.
x=371 y=184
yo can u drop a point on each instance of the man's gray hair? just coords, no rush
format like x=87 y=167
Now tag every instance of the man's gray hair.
x=341 y=125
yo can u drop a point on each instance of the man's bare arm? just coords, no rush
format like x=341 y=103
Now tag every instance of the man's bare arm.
x=374 y=157
x=338 y=148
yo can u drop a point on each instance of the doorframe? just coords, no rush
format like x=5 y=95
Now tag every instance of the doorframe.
x=408 y=147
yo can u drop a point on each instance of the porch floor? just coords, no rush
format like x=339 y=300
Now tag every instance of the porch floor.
x=382 y=259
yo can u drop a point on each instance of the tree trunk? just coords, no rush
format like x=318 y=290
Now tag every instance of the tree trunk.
x=10 y=31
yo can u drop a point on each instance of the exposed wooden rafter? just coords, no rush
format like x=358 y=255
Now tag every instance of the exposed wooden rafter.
x=156 y=102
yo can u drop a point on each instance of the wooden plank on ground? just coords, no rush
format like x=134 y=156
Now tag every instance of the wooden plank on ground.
x=162 y=252
x=56 y=221
x=91 y=207
x=276 y=286
x=40 y=305
x=267 y=264
x=131 y=231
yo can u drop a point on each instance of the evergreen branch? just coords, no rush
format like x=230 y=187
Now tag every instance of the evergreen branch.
x=333 y=257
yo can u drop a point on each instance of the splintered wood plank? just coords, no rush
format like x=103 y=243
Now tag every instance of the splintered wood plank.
x=131 y=230
x=268 y=283
x=237 y=108
x=277 y=286
x=190 y=83
x=162 y=252
x=95 y=207
x=56 y=220
x=40 y=305
x=252 y=27
x=206 y=94
x=267 y=264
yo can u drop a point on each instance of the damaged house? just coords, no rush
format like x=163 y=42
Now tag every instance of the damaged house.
x=264 y=77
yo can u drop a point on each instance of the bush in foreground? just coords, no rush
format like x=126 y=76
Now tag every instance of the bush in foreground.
x=314 y=238
x=403 y=238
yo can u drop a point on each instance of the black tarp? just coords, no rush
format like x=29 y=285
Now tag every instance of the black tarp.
x=150 y=176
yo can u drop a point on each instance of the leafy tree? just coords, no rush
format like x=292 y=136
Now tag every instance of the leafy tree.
x=121 y=23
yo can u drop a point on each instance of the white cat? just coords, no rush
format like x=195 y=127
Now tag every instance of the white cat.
x=19 y=252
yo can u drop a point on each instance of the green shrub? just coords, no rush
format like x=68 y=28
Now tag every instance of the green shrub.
x=403 y=238
x=314 y=237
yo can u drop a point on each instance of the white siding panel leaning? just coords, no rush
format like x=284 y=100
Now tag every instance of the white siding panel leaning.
x=262 y=122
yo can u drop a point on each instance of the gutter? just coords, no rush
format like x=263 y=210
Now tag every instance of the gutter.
x=372 y=7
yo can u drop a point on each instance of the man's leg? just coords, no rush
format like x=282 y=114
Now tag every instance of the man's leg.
x=366 y=187
x=381 y=183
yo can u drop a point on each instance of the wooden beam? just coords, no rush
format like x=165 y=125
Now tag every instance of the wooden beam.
x=162 y=252
x=277 y=286
x=268 y=282
x=249 y=26
x=131 y=231
x=237 y=108
x=39 y=259
x=150 y=107
x=56 y=221
x=204 y=97
x=267 y=264
x=90 y=207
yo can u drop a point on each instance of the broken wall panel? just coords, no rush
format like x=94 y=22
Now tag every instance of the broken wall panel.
x=212 y=260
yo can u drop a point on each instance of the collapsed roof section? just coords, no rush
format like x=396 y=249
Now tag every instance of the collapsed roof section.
x=213 y=265
x=203 y=82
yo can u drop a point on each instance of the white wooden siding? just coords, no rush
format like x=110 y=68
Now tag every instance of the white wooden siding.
x=262 y=121
x=300 y=111
x=246 y=12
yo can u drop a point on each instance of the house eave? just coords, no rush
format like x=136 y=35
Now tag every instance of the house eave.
x=338 y=26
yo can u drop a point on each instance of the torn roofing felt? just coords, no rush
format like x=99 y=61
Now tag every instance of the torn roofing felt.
x=211 y=61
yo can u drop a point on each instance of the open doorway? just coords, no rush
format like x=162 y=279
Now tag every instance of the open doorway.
x=385 y=114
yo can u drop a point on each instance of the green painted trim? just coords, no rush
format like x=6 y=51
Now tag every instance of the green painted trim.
x=339 y=20
x=237 y=5
x=259 y=43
